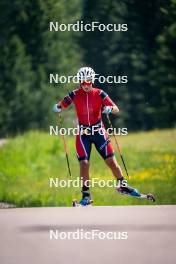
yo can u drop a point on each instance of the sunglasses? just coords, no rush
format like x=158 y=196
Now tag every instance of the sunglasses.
x=86 y=83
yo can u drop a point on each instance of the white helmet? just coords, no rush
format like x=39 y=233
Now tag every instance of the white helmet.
x=86 y=74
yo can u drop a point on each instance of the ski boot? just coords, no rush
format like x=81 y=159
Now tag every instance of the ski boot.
x=85 y=201
x=128 y=190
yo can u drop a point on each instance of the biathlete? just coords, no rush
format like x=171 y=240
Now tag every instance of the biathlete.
x=88 y=102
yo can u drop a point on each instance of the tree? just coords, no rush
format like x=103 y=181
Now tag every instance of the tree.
x=145 y=53
x=29 y=52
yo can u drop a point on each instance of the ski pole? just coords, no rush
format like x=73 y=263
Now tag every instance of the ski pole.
x=118 y=147
x=65 y=147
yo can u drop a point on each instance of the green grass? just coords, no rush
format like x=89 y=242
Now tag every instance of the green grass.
x=28 y=161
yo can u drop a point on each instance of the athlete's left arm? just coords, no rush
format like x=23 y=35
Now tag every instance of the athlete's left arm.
x=106 y=101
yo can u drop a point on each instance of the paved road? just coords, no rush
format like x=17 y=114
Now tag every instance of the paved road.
x=25 y=235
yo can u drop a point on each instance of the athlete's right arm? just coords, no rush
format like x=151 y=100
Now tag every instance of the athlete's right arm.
x=68 y=99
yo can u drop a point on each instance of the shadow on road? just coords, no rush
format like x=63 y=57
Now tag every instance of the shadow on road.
x=129 y=227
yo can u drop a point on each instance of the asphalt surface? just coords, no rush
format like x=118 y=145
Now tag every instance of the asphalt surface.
x=30 y=235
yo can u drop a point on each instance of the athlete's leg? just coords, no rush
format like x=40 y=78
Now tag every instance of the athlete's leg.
x=104 y=147
x=84 y=175
x=83 y=147
x=115 y=168
x=84 y=171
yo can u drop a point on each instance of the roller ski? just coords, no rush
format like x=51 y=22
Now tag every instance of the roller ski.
x=82 y=203
x=85 y=201
x=134 y=192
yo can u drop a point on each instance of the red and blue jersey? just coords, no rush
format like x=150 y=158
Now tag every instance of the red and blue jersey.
x=88 y=104
x=88 y=108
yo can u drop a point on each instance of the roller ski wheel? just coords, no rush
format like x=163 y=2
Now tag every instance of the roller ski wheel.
x=82 y=203
x=135 y=193
x=150 y=197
